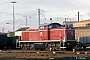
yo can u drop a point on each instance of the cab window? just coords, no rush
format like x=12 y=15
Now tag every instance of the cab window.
x=57 y=26
x=51 y=26
x=42 y=28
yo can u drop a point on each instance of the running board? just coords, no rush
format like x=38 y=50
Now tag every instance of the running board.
x=63 y=47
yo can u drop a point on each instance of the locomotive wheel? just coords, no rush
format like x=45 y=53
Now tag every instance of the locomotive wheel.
x=22 y=46
x=25 y=48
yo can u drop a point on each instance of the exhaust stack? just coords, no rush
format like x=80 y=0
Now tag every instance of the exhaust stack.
x=78 y=16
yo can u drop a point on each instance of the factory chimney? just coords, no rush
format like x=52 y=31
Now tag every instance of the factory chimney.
x=78 y=16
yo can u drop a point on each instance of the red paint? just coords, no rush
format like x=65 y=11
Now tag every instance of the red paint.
x=30 y=35
x=54 y=34
x=57 y=34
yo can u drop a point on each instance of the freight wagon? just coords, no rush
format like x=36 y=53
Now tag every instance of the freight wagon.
x=3 y=40
x=12 y=42
x=8 y=42
x=84 y=41
x=49 y=36
x=82 y=36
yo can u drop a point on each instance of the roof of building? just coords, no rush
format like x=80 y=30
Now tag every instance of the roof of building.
x=69 y=21
x=84 y=20
x=85 y=27
x=76 y=21
x=23 y=29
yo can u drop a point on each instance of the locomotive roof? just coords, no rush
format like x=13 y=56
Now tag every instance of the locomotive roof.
x=46 y=24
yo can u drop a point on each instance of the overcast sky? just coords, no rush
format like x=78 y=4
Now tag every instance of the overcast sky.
x=58 y=10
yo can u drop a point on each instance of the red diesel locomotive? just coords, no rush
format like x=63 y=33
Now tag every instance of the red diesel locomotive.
x=49 y=36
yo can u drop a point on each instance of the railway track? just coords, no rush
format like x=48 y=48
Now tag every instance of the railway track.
x=41 y=54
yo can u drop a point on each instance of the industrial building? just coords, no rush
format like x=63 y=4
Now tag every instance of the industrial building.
x=83 y=23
